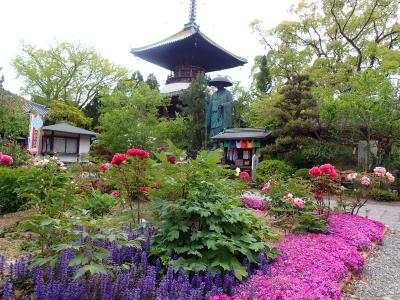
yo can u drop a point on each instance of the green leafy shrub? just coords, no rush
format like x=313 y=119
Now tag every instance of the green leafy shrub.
x=379 y=195
x=319 y=152
x=301 y=173
x=9 y=200
x=12 y=148
x=97 y=203
x=297 y=186
x=272 y=168
x=48 y=188
x=296 y=218
x=203 y=223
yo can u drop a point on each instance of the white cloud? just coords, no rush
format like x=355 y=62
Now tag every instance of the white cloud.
x=114 y=27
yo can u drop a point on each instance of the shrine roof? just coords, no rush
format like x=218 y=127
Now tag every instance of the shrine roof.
x=242 y=134
x=189 y=47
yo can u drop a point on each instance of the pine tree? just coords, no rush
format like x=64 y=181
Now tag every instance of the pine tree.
x=295 y=115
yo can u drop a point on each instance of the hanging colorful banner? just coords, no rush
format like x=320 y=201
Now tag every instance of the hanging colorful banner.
x=35 y=132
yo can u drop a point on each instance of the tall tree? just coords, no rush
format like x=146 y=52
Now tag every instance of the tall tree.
x=242 y=99
x=129 y=117
x=193 y=107
x=152 y=81
x=68 y=72
x=334 y=38
x=262 y=80
x=292 y=115
x=369 y=111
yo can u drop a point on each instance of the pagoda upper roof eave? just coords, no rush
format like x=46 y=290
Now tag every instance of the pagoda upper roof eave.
x=189 y=40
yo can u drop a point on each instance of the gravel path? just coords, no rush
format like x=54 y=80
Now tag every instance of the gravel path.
x=381 y=279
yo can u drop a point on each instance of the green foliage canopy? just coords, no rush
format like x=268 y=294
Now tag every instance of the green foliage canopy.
x=69 y=72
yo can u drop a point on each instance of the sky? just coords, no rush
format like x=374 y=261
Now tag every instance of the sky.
x=113 y=27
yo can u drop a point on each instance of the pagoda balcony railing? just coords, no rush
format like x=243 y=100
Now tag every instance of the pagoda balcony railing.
x=173 y=79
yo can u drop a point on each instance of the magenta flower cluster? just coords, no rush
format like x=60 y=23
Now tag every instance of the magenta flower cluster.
x=312 y=266
x=253 y=201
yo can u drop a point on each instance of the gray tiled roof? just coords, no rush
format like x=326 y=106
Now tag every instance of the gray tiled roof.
x=31 y=106
x=242 y=134
x=62 y=127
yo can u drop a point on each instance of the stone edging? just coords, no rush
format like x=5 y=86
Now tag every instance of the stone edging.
x=351 y=276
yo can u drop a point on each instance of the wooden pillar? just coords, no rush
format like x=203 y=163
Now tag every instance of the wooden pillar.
x=78 y=146
x=52 y=142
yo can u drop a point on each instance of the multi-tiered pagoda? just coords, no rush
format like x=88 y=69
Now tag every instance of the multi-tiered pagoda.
x=187 y=53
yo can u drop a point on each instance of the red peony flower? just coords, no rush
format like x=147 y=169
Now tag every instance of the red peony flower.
x=144 y=189
x=115 y=194
x=244 y=175
x=315 y=171
x=6 y=159
x=118 y=159
x=171 y=159
x=318 y=197
x=104 y=166
x=138 y=152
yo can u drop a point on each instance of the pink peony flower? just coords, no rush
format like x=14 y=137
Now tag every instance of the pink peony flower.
x=244 y=175
x=105 y=166
x=289 y=196
x=380 y=171
x=118 y=159
x=266 y=186
x=298 y=202
x=315 y=171
x=144 y=190
x=115 y=194
x=138 y=152
x=171 y=159
x=351 y=176
x=390 y=177
x=6 y=159
x=33 y=151
x=365 y=181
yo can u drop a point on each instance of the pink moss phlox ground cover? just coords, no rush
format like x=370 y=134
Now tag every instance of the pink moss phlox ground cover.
x=253 y=201
x=355 y=230
x=311 y=266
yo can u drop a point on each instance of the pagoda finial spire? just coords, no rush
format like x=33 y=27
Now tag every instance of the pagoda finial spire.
x=192 y=11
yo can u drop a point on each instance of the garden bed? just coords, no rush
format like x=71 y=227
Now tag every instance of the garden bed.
x=315 y=266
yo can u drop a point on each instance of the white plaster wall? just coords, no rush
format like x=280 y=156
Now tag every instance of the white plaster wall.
x=84 y=145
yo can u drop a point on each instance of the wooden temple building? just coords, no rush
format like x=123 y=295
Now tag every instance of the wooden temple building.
x=187 y=53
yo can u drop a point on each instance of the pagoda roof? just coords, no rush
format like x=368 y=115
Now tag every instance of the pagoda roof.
x=189 y=47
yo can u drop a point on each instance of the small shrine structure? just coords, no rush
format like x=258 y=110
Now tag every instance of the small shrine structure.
x=241 y=144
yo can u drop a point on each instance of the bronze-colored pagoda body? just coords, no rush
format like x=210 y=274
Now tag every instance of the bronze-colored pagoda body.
x=187 y=53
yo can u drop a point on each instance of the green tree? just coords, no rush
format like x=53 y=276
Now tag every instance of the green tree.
x=293 y=116
x=61 y=112
x=129 y=118
x=152 y=81
x=193 y=107
x=334 y=38
x=13 y=120
x=69 y=72
x=242 y=99
x=369 y=111
x=262 y=81
x=92 y=111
